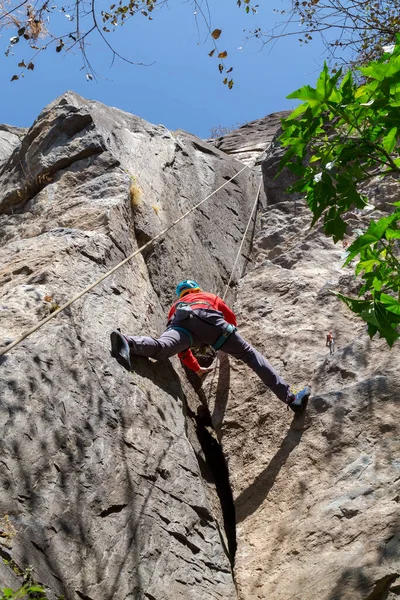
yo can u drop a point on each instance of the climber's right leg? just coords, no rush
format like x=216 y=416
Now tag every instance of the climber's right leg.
x=168 y=344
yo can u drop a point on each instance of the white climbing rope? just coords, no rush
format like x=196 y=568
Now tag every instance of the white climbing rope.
x=118 y=266
x=243 y=239
x=216 y=362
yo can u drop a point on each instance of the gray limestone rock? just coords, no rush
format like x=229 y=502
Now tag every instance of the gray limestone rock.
x=252 y=140
x=9 y=139
x=101 y=473
x=114 y=483
x=251 y=144
x=316 y=496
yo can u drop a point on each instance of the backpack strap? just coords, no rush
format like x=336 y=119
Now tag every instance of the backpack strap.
x=195 y=303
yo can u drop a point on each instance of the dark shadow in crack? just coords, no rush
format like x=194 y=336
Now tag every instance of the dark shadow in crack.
x=222 y=392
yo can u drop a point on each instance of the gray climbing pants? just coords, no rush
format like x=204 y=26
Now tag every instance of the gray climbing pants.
x=206 y=326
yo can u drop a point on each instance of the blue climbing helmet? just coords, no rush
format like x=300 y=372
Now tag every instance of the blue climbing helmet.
x=188 y=285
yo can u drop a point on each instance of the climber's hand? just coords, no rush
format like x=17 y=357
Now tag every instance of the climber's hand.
x=203 y=371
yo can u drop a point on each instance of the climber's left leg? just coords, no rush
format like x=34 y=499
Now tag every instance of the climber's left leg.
x=238 y=347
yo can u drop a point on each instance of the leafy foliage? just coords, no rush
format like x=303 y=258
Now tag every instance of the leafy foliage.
x=29 y=589
x=343 y=135
x=23 y=593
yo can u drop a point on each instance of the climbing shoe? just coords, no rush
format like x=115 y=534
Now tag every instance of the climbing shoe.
x=120 y=350
x=300 y=400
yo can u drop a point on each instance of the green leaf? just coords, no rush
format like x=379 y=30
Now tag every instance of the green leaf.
x=377 y=284
x=356 y=306
x=335 y=227
x=366 y=265
x=35 y=588
x=392 y=234
x=373 y=234
x=304 y=93
x=372 y=330
x=369 y=315
x=381 y=71
x=389 y=141
x=387 y=328
x=359 y=244
x=346 y=86
x=296 y=112
x=391 y=304
x=324 y=85
x=379 y=228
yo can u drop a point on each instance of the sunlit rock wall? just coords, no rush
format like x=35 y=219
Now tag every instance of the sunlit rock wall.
x=317 y=497
x=104 y=486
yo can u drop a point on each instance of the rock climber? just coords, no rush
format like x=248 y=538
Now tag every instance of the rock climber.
x=330 y=342
x=198 y=319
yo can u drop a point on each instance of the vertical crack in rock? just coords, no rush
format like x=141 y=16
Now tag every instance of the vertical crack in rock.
x=215 y=461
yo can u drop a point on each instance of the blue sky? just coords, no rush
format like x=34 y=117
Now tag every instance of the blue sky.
x=183 y=89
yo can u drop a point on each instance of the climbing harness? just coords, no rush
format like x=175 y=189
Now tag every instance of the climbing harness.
x=118 y=266
x=183 y=330
x=229 y=329
x=184 y=310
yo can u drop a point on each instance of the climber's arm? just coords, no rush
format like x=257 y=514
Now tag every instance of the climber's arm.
x=229 y=315
x=189 y=360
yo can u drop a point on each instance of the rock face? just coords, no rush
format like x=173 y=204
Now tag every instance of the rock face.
x=9 y=139
x=252 y=140
x=102 y=477
x=317 y=497
x=113 y=485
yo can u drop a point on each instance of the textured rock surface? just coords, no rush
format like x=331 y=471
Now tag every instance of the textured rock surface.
x=317 y=497
x=114 y=486
x=109 y=497
x=253 y=139
x=9 y=139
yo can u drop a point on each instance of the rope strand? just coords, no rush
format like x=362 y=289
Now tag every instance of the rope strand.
x=118 y=266
x=243 y=239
